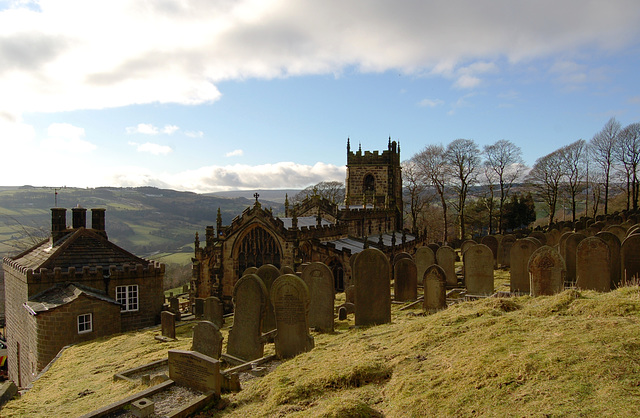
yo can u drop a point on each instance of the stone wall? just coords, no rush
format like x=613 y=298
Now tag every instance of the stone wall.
x=59 y=327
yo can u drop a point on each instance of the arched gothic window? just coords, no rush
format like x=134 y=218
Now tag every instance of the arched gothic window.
x=257 y=248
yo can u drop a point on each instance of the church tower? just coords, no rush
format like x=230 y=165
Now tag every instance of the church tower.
x=375 y=180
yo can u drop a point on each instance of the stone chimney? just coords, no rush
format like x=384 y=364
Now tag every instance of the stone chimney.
x=97 y=221
x=79 y=217
x=58 y=224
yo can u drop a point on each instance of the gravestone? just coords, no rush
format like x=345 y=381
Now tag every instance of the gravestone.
x=350 y=294
x=287 y=270
x=491 y=242
x=207 y=339
x=400 y=256
x=198 y=309
x=372 y=285
x=405 y=285
x=553 y=237
x=546 y=271
x=466 y=244
x=424 y=258
x=618 y=231
x=540 y=236
x=342 y=313
x=520 y=253
x=214 y=311
x=194 y=370
x=478 y=270
x=319 y=279
x=168 y=321
x=506 y=244
x=268 y=273
x=630 y=258
x=562 y=243
x=250 y=303
x=571 y=246
x=250 y=270
x=536 y=241
x=434 y=282
x=434 y=246
x=593 y=265
x=290 y=299
x=174 y=305
x=614 y=247
x=446 y=258
x=185 y=288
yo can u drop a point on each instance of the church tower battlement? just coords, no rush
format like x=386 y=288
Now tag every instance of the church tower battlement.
x=375 y=179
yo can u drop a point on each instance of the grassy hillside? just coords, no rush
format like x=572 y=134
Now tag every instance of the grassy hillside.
x=573 y=354
x=143 y=220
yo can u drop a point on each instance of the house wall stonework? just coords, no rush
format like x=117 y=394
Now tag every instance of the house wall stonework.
x=58 y=328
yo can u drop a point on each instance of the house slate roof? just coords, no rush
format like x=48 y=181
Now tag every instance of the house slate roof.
x=61 y=294
x=80 y=247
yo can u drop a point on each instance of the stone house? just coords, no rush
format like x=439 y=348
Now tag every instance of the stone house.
x=314 y=230
x=75 y=286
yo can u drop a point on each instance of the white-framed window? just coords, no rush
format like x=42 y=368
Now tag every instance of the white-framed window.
x=85 y=323
x=128 y=297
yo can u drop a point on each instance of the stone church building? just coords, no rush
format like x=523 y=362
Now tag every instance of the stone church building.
x=315 y=230
x=75 y=286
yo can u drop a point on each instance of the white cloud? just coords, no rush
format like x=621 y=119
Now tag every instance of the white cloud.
x=149 y=129
x=235 y=153
x=430 y=102
x=151 y=148
x=467 y=81
x=194 y=134
x=66 y=55
x=66 y=138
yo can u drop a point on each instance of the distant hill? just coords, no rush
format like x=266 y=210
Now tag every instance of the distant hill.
x=143 y=220
x=268 y=195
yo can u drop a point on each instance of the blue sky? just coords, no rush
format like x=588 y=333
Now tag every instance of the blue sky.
x=218 y=95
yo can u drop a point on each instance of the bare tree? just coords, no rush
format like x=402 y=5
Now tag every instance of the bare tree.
x=505 y=159
x=629 y=156
x=416 y=189
x=574 y=168
x=433 y=167
x=331 y=190
x=463 y=159
x=602 y=149
x=545 y=177
x=489 y=199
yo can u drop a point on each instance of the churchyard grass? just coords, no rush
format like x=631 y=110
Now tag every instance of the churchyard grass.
x=572 y=354
x=576 y=353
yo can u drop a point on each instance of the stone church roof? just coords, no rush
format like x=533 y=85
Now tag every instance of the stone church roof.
x=62 y=294
x=78 y=248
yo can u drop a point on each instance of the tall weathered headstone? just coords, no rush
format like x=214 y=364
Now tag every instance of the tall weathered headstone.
x=424 y=257
x=213 y=311
x=630 y=258
x=446 y=258
x=553 y=237
x=520 y=253
x=491 y=242
x=268 y=273
x=593 y=265
x=478 y=270
x=405 y=285
x=198 y=310
x=540 y=236
x=250 y=303
x=618 y=231
x=434 y=282
x=614 y=247
x=319 y=279
x=571 y=247
x=168 y=324
x=373 y=288
x=506 y=244
x=207 y=339
x=546 y=271
x=290 y=299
